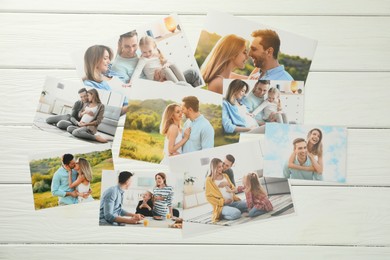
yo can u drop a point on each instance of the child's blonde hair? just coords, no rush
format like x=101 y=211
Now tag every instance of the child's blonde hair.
x=252 y=184
x=275 y=91
x=147 y=40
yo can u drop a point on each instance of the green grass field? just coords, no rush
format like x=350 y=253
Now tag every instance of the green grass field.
x=142 y=146
x=45 y=200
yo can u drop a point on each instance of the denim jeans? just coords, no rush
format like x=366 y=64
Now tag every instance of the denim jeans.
x=233 y=210
x=254 y=212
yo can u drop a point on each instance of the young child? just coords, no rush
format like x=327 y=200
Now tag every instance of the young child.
x=256 y=197
x=273 y=110
x=145 y=206
x=153 y=64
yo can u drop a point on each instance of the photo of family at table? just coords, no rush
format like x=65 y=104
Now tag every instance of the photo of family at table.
x=165 y=121
x=305 y=152
x=224 y=186
x=70 y=178
x=158 y=51
x=226 y=43
x=146 y=198
x=249 y=104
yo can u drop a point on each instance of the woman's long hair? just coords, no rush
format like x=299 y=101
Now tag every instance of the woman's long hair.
x=167 y=119
x=92 y=57
x=252 y=184
x=163 y=176
x=213 y=167
x=85 y=168
x=226 y=49
x=95 y=95
x=234 y=87
x=317 y=148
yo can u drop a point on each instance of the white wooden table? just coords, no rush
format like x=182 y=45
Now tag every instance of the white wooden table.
x=349 y=85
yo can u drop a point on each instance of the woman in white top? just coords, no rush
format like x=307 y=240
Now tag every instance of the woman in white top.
x=83 y=181
x=171 y=127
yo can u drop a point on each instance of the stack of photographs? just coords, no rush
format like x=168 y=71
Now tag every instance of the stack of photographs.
x=220 y=131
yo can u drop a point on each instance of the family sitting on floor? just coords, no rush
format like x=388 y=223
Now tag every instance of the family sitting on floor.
x=221 y=193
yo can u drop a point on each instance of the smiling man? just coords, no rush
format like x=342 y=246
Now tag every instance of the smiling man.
x=264 y=52
x=301 y=159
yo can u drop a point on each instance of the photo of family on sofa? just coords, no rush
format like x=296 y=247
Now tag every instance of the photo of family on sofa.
x=225 y=187
x=305 y=152
x=224 y=49
x=249 y=104
x=146 y=198
x=69 y=178
x=158 y=51
x=70 y=109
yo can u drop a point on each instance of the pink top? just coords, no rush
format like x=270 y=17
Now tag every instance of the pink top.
x=260 y=202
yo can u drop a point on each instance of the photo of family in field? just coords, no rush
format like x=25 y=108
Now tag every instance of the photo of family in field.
x=305 y=152
x=71 y=109
x=226 y=43
x=249 y=104
x=69 y=177
x=225 y=186
x=151 y=198
x=165 y=120
x=158 y=51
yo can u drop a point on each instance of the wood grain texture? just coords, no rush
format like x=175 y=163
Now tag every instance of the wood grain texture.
x=249 y=7
x=350 y=211
x=347 y=85
x=340 y=39
x=43 y=251
x=327 y=101
x=369 y=166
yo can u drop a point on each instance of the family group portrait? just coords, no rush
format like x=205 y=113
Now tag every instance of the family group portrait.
x=69 y=108
x=166 y=120
x=305 y=152
x=148 y=198
x=234 y=48
x=249 y=104
x=69 y=177
x=158 y=51
x=225 y=186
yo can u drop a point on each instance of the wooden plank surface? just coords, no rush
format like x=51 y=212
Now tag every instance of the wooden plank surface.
x=340 y=39
x=349 y=210
x=347 y=85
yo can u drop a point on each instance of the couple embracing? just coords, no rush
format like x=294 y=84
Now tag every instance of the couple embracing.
x=71 y=182
x=196 y=134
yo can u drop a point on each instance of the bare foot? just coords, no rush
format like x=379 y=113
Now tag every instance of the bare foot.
x=100 y=139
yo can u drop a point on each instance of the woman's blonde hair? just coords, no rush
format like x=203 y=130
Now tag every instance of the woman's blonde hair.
x=234 y=87
x=85 y=168
x=92 y=57
x=213 y=167
x=147 y=40
x=224 y=51
x=252 y=184
x=166 y=119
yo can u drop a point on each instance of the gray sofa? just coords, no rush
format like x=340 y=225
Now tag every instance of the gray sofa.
x=110 y=120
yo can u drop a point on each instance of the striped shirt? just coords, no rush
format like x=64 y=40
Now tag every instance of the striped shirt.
x=161 y=206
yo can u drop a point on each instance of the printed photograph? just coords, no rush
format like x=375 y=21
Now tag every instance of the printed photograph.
x=71 y=109
x=142 y=199
x=164 y=120
x=305 y=152
x=248 y=104
x=225 y=186
x=235 y=48
x=158 y=51
x=69 y=177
